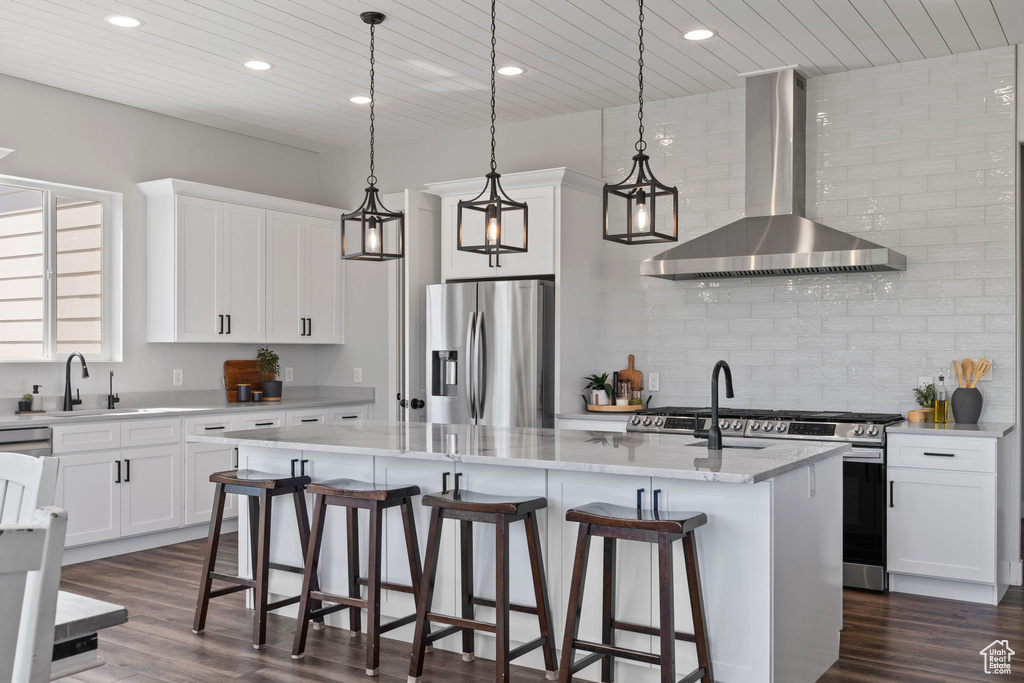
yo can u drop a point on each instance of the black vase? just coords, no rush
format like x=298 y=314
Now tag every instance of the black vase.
x=272 y=390
x=966 y=405
x=24 y=406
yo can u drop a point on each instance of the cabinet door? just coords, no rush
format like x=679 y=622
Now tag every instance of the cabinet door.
x=151 y=490
x=324 y=282
x=199 y=262
x=243 y=273
x=88 y=488
x=202 y=460
x=285 y=269
x=942 y=524
x=539 y=259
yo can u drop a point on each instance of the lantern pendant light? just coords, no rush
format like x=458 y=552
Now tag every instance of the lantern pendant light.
x=372 y=232
x=645 y=208
x=490 y=218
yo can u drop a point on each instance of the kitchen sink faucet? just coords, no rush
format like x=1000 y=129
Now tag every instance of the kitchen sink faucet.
x=70 y=403
x=714 y=433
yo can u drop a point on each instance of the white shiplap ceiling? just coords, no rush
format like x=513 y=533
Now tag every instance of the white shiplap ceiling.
x=432 y=66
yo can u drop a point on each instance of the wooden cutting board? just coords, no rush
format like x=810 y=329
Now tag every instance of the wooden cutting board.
x=635 y=377
x=241 y=372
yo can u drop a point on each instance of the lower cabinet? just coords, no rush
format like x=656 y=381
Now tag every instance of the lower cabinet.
x=202 y=460
x=151 y=489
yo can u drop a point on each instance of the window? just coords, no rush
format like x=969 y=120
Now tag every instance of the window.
x=59 y=271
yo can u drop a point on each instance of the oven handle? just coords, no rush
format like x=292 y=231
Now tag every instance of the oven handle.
x=868 y=455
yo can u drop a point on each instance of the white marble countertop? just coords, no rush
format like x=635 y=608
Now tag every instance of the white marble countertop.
x=650 y=455
x=987 y=429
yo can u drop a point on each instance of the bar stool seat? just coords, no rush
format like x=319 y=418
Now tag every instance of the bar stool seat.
x=649 y=520
x=615 y=522
x=469 y=507
x=257 y=479
x=350 y=488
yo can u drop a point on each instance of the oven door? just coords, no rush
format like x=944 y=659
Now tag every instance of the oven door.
x=864 y=519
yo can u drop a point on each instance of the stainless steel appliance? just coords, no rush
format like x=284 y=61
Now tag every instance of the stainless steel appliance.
x=28 y=440
x=864 y=496
x=490 y=353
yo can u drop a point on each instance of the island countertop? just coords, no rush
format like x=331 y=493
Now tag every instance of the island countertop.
x=743 y=461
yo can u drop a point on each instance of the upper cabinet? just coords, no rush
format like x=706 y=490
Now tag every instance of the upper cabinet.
x=233 y=266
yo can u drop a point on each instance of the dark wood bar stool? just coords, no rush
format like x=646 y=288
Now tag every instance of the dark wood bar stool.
x=614 y=522
x=501 y=511
x=353 y=496
x=260 y=488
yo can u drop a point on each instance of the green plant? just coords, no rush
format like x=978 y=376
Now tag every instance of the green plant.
x=599 y=382
x=636 y=401
x=925 y=395
x=268 y=364
x=27 y=397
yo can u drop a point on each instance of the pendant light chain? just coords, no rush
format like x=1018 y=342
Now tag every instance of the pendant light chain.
x=372 y=179
x=641 y=145
x=494 y=56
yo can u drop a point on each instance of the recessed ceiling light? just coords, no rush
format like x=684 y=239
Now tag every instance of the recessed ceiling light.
x=511 y=70
x=699 y=34
x=360 y=99
x=258 y=65
x=121 y=21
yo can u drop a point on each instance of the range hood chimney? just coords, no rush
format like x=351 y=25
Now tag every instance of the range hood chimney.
x=774 y=238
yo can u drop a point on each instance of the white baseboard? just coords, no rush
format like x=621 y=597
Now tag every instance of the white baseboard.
x=950 y=589
x=121 y=546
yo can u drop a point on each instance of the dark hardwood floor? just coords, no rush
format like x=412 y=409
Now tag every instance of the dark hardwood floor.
x=885 y=638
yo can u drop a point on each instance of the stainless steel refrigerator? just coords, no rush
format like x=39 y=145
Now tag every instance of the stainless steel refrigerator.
x=490 y=353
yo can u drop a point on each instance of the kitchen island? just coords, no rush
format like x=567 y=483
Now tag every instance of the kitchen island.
x=771 y=553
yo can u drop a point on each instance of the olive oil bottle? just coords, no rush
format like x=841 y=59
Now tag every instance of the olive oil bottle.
x=941 y=400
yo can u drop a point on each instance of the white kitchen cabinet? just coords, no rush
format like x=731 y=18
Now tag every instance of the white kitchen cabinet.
x=259 y=420
x=136 y=433
x=306 y=416
x=305 y=280
x=942 y=524
x=94 y=436
x=89 y=488
x=202 y=460
x=346 y=414
x=151 y=498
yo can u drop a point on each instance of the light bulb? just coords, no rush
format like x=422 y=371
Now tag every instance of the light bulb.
x=373 y=237
x=493 y=228
x=641 y=217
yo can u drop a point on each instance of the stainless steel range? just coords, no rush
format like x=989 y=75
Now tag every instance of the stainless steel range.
x=864 y=496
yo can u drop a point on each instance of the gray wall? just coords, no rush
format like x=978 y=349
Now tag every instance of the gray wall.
x=65 y=137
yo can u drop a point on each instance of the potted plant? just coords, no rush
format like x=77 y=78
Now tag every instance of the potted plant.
x=25 y=403
x=268 y=364
x=601 y=389
x=925 y=397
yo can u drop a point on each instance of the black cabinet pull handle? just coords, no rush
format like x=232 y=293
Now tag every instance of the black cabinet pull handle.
x=656 y=492
x=302 y=467
x=941 y=455
x=118 y=480
x=639 y=499
x=310 y=419
x=210 y=429
x=294 y=461
x=229 y=323
x=892 y=498
x=309 y=321
x=458 y=478
x=221 y=331
x=263 y=424
x=127 y=470
x=236 y=458
x=444 y=482
x=303 y=323
x=349 y=417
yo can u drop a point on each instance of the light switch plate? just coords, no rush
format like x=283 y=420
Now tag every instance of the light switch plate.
x=179 y=377
x=653 y=381
x=289 y=375
x=357 y=375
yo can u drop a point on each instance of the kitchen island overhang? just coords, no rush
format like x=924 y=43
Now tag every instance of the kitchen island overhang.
x=771 y=554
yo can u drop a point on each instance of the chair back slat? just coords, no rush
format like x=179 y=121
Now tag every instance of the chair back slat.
x=27 y=482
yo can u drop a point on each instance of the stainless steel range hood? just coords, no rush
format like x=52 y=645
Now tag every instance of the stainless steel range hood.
x=775 y=238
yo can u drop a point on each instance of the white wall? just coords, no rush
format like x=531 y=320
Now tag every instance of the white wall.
x=572 y=140
x=65 y=137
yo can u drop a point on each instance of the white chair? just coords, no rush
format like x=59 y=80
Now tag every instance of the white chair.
x=26 y=483
x=30 y=561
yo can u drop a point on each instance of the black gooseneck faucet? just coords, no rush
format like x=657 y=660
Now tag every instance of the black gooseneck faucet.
x=714 y=433
x=70 y=403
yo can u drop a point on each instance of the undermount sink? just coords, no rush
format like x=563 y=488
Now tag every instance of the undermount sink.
x=124 y=411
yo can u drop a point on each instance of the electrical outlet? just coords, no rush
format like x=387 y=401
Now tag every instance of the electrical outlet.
x=289 y=375
x=924 y=381
x=357 y=375
x=653 y=381
x=179 y=377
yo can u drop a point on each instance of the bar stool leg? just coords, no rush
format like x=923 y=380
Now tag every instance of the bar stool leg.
x=254 y=534
x=259 y=630
x=302 y=517
x=466 y=556
x=426 y=595
x=412 y=549
x=312 y=563
x=575 y=607
x=608 y=609
x=373 y=592
x=668 y=624
x=352 y=530
x=210 y=561
x=501 y=600
x=697 y=607
x=540 y=590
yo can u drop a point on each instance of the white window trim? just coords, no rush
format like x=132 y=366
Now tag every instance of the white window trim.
x=111 y=297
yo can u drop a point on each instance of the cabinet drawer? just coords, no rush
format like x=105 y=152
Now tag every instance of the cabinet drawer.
x=300 y=417
x=259 y=420
x=213 y=424
x=150 y=432
x=96 y=436
x=346 y=415
x=943 y=453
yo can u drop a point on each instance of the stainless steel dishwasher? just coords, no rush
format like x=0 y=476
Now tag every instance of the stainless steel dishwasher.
x=28 y=440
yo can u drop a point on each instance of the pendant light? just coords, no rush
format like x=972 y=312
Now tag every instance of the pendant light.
x=372 y=232
x=646 y=209
x=490 y=218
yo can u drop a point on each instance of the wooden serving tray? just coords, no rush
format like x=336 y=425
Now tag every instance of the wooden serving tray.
x=612 y=409
x=241 y=372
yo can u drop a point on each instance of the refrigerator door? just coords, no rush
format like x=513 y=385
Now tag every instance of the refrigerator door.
x=451 y=317
x=514 y=319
